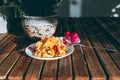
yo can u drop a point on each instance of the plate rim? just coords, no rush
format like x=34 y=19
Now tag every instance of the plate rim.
x=41 y=58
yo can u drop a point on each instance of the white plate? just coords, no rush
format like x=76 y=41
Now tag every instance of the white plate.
x=31 y=54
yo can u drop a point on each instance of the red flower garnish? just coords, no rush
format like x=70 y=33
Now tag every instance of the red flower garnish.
x=74 y=34
x=74 y=37
x=71 y=38
x=67 y=34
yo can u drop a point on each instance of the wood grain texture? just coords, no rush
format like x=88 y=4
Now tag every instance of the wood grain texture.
x=49 y=70
x=10 y=61
x=65 y=69
x=106 y=43
x=34 y=70
x=112 y=70
x=112 y=27
x=96 y=71
x=85 y=63
x=20 y=68
x=2 y=36
x=6 y=40
x=79 y=65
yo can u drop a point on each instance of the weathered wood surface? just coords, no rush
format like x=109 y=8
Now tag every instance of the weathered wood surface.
x=85 y=63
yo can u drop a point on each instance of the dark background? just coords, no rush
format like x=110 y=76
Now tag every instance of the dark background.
x=98 y=7
x=91 y=8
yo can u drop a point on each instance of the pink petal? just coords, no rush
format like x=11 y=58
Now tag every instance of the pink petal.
x=67 y=34
x=74 y=40
x=66 y=40
x=74 y=34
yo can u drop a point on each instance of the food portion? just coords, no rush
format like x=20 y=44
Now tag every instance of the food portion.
x=50 y=47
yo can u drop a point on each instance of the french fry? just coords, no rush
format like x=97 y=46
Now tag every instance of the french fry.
x=50 y=47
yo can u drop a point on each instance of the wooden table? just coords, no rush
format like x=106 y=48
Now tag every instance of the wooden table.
x=83 y=64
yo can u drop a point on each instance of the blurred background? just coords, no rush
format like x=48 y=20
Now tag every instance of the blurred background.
x=11 y=10
x=67 y=8
x=88 y=8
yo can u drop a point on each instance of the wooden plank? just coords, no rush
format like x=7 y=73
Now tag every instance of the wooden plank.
x=65 y=69
x=111 y=30
x=49 y=70
x=2 y=36
x=34 y=70
x=115 y=56
x=8 y=64
x=79 y=65
x=112 y=70
x=106 y=42
x=10 y=61
x=8 y=48
x=6 y=51
x=4 y=42
x=95 y=69
x=20 y=68
x=112 y=39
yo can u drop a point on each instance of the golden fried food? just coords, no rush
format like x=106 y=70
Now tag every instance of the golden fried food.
x=50 y=47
